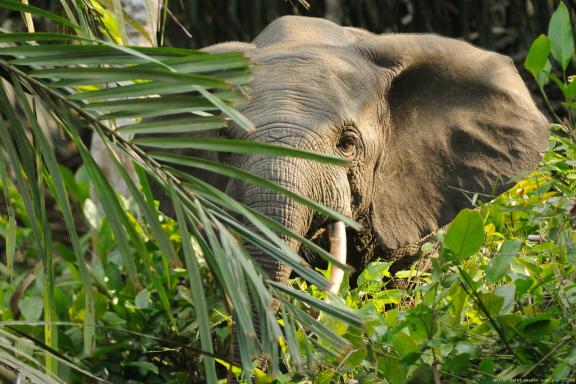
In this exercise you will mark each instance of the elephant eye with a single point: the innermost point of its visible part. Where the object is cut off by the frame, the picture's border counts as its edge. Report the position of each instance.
(348, 143)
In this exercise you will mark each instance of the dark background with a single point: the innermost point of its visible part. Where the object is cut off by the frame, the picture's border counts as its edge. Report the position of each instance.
(507, 26)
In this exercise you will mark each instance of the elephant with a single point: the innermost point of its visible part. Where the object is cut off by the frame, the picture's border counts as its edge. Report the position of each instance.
(423, 120)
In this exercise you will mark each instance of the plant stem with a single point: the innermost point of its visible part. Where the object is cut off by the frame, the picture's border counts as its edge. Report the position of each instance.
(468, 288)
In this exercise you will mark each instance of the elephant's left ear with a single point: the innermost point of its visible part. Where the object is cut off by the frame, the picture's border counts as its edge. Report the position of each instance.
(461, 122)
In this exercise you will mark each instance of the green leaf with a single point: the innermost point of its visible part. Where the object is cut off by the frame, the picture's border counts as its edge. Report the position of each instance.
(543, 76)
(236, 146)
(465, 235)
(261, 222)
(230, 171)
(374, 272)
(11, 243)
(31, 308)
(403, 343)
(538, 326)
(59, 191)
(196, 287)
(498, 265)
(111, 74)
(538, 55)
(142, 299)
(492, 302)
(560, 34)
(342, 313)
(508, 294)
(232, 113)
(38, 36)
(134, 90)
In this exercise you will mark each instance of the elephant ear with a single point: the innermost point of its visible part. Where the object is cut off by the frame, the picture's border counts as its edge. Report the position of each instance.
(461, 122)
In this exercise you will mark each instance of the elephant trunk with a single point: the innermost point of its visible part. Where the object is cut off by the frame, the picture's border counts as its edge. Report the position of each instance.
(295, 217)
(305, 178)
(298, 176)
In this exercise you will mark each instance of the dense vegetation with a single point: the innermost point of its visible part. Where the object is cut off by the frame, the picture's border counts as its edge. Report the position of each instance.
(138, 297)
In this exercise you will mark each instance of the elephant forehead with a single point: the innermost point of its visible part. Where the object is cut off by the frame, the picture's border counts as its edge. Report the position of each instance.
(327, 65)
(331, 83)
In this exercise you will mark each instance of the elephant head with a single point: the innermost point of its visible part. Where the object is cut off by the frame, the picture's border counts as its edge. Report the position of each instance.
(423, 120)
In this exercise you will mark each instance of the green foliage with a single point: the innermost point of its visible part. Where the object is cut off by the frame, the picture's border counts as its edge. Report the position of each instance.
(147, 299)
(114, 301)
(466, 234)
(499, 302)
(561, 38)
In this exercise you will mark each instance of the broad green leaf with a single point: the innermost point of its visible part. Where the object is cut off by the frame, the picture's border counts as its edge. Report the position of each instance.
(403, 343)
(465, 235)
(560, 35)
(499, 264)
(538, 55)
(492, 303)
(375, 271)
(539, 325)
(31, 308)
(508, 293)
(570, 90)
(142, 299)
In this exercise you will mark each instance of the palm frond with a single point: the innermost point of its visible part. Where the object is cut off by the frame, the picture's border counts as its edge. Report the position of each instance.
(182, 89)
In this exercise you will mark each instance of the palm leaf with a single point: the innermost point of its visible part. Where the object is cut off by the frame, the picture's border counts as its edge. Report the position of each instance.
(146, 82)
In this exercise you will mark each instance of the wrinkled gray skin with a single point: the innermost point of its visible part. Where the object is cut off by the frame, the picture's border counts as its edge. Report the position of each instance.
(422, 118)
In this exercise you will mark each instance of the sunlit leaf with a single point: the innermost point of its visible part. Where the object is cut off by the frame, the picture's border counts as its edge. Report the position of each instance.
(465, 235)
(560, 35)
(498, 266)
(538, 55)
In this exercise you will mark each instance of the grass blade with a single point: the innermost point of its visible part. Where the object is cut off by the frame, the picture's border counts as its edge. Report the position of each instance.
(236, 146)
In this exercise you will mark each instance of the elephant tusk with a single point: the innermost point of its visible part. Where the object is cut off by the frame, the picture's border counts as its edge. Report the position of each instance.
(337, 237)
